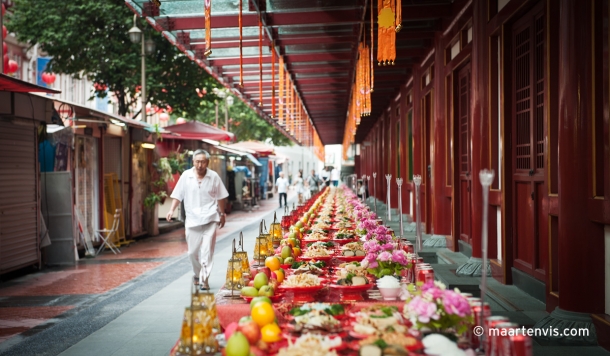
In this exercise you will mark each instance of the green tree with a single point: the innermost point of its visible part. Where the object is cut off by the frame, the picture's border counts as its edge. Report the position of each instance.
(243, 122)
(90, 38)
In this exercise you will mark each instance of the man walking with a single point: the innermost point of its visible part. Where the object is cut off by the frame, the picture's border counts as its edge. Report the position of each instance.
(204, 196)
(282, 188)
(313, 182)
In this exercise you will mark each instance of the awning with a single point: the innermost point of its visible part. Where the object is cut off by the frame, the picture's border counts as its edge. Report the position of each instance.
(234, 151)
(195, 130)
(78, 112)
(8, 83)
(256, 146)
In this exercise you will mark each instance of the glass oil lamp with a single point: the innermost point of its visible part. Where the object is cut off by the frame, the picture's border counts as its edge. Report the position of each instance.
(234, 273)
(261, 247)
(275, 231)
(242, 255)
(269, 238)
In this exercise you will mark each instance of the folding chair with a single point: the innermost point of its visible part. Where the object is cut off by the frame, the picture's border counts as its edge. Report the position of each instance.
(108, 234)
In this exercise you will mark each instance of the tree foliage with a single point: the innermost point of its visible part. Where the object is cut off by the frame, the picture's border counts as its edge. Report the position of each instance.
(90, 38)
(243, 122)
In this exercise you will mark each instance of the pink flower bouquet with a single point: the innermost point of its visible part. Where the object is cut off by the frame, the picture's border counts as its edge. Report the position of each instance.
(433, 308)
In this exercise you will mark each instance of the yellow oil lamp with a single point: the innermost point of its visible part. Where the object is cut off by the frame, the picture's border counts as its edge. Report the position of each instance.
(261, 247)
(275, 231)
(242, 255)
(234, 273)
(200, 326)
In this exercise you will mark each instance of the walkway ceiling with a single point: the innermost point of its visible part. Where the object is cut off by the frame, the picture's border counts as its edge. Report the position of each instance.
(319, 39)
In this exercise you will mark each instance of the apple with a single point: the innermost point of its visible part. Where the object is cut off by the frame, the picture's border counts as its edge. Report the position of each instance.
(238, 345)
(258, 299)
(286, 252)
(247, 318)
(251, 331)
(251, 283)
(260, 280)
(255, 351)
(249, 291)
(266, 291)
(230, 329)
(265, 270)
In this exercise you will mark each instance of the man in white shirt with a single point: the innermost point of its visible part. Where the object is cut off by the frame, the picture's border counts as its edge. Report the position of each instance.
(282, 188)
(204, 197)
(334, 176)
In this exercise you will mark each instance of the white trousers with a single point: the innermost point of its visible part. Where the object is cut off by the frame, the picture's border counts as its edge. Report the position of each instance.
(201, 241)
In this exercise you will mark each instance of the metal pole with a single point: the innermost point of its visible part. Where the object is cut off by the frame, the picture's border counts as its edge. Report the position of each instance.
(226, 115)
(486, 177)
(375, 190)
(144, 118)
(216, 116)
(388, 178)
(399, 182)
(417, 182)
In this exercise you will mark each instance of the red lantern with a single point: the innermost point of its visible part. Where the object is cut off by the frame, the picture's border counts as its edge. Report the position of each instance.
(12, 66)
(48, 78)
(169, 109)
(100, 87)
(3, 9)
(4, 48)
(163, 117)
(4, 32)
(181, 120)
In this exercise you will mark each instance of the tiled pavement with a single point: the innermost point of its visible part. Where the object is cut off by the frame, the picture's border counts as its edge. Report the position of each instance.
(38, 308)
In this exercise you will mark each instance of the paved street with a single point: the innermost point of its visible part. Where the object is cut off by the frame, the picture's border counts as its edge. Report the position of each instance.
(128, 304)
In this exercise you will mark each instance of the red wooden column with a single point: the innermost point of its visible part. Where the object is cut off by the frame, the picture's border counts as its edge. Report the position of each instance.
(442, 205)
(480, 129)
(581, 252)
(416, 123)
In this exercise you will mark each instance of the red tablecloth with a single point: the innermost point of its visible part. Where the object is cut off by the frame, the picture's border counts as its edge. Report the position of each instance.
(231, 310)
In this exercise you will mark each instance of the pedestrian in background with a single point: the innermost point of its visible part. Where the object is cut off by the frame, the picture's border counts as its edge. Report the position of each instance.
(282, 188)
(313, 182)
(300, 188)
(204, 197)
(335, 175)
(325, 176)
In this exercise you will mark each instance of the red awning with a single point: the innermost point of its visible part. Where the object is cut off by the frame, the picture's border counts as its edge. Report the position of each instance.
(256, 146)
(8, 83)
(195, 130)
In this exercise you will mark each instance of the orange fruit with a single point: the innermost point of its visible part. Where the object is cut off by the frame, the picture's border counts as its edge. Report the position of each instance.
(271, 333)
(280, 275)
(263, 314)
(296, 251)
(273, 263)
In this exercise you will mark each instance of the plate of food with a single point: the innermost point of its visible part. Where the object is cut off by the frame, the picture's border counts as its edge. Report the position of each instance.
(392, 343)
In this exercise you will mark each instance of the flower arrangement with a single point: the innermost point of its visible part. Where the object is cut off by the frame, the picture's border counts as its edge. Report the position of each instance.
(382, 256)
(435, 309)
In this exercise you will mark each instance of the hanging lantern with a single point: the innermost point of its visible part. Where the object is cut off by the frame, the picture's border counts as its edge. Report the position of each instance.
(180, 120)
(4, 32)
(389, 22)
(207, 11)
(48, 78)
(12, 66)
(164, 117)
(4, 48)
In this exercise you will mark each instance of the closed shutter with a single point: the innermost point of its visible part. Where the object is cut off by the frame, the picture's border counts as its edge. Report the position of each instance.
(18, 196)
